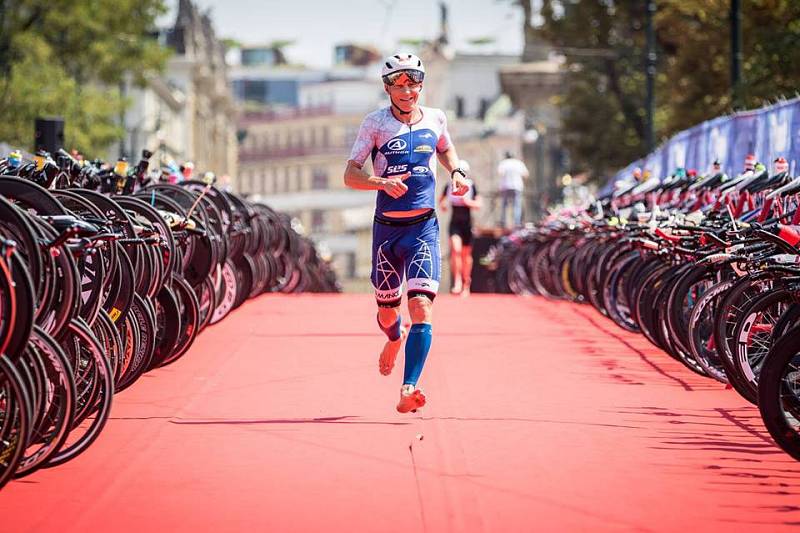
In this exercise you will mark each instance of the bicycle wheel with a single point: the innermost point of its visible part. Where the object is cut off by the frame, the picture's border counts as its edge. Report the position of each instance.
(701, 331)
(189, 309)
(779, 392)
(754, 336)
(14, 419)
(727, 317)
(52, 430)
(82, 349)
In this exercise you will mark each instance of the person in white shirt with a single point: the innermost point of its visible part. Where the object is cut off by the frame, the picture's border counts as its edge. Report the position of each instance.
(512, 173)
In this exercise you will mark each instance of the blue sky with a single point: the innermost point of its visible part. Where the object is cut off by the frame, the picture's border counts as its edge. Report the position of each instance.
(317, 25)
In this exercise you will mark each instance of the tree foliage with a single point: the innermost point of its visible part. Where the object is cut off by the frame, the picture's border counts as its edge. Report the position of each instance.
(604, 45)
(67, 58)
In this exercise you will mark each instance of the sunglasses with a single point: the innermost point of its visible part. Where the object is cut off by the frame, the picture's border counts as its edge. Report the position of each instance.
(414, 76)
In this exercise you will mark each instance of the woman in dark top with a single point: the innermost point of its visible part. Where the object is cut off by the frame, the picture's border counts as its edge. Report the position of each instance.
(460, 230)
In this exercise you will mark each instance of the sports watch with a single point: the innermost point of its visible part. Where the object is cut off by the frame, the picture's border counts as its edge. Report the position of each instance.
(460, 171)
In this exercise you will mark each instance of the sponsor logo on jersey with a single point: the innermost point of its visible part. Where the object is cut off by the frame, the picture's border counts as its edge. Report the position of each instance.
(426, 135)
(424, 149)
(396, 145)
(396, 169)
(419, 170)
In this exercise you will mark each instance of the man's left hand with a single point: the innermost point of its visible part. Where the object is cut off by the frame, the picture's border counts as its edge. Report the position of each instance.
(458, 184)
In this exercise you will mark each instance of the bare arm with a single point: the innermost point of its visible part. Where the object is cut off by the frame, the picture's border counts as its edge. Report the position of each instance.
(475, 203)
(449, 160)
(356, 178)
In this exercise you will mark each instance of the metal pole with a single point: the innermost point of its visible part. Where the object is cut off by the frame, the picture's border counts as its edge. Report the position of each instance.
(650, 71)
(123, 92)
(736, 52)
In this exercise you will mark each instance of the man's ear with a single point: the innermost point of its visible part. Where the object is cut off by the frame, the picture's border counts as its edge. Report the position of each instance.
(385, 88)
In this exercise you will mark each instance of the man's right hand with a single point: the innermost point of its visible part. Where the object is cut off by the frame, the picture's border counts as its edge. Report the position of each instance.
(394, 186)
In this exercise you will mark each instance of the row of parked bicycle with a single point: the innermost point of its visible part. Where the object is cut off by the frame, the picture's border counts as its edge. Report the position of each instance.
(105, 275)
(706, 268)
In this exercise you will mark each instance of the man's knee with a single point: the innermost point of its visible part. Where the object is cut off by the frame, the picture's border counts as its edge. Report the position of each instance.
(420, 307)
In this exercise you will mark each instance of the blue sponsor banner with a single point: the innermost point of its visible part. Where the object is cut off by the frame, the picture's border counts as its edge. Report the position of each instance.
(696, 148)
(743, 141)
(794, 133)
(767, 133)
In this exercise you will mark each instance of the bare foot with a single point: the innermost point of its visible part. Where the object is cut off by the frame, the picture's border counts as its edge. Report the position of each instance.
(465, 292)
(390, 351)
(456, 289)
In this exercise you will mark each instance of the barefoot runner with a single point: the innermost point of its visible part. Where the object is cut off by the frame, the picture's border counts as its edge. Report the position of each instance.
(401, 140)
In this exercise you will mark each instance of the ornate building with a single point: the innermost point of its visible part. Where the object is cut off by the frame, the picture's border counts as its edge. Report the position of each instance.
(533, 87)
(293, 159)
(296, 134)
(187, 113)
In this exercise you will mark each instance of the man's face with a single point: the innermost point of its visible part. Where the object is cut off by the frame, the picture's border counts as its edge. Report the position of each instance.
(404, 93)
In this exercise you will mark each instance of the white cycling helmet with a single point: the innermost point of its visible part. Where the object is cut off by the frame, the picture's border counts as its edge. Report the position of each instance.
(402, 63)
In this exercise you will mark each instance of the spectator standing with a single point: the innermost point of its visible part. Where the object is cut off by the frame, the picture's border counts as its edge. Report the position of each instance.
(512, 173)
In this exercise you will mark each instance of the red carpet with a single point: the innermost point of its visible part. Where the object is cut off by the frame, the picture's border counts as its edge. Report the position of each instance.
(541, 417)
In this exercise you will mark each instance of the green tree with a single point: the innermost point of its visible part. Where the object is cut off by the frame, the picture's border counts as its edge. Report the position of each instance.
(603, 42)
(67, 57)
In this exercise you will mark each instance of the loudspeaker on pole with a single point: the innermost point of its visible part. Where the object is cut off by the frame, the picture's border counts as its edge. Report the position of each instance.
(49, 135)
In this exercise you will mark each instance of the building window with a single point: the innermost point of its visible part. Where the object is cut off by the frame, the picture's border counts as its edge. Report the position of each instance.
(318, 221)
(484, 108)
(247, 186)
(269, 182)
(350, 134)
(255, 91)
(319, 178)
(325, 137)
(295, 139)
(459, 106)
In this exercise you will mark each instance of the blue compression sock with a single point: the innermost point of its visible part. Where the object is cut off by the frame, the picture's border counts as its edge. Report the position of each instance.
(393, 331)
(417, 346)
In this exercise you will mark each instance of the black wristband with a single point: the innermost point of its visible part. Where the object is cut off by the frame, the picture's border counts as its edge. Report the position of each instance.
(463, 174)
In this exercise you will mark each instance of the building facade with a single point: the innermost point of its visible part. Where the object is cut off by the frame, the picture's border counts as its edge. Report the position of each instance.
(188, 113)
(482, 120)
(296, 130)
(294, 160)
